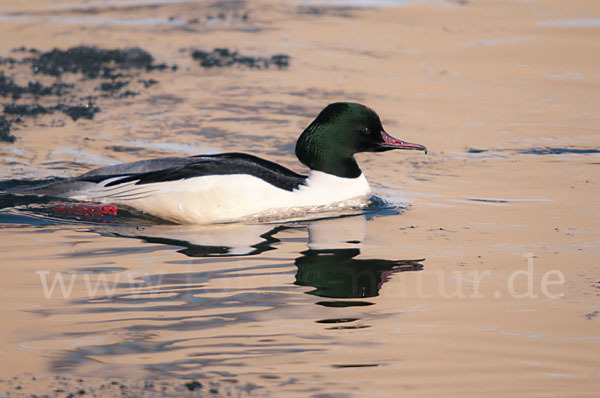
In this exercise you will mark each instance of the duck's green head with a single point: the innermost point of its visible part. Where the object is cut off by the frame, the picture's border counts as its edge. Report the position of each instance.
(342, 129)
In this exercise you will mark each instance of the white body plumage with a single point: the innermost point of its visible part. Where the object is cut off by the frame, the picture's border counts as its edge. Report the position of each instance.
(221, 198)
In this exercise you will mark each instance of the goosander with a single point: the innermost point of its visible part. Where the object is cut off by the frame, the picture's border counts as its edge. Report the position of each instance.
(231, 186)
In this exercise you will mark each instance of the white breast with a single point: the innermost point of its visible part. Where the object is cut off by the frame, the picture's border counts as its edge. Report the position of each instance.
(219, 198)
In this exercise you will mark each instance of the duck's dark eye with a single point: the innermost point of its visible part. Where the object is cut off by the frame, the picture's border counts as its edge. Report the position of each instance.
(366, 131)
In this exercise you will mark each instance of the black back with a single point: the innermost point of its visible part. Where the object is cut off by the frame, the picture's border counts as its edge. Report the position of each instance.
(204, 165)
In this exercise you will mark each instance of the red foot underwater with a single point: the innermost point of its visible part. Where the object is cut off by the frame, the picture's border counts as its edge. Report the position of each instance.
(87, 210)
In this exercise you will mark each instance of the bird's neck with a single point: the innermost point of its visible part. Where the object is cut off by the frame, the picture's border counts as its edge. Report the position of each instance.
(319, 153)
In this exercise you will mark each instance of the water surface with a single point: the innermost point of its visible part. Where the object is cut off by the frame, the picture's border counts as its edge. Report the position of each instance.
(481, 277)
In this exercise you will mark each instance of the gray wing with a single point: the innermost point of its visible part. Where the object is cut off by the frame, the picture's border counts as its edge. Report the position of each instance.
(141, 166)
(118, 180)
(69, 187)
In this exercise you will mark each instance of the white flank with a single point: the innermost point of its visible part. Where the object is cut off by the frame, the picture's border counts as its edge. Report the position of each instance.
(218, 198)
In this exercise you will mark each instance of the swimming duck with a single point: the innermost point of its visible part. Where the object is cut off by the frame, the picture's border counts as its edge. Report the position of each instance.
(230, 186)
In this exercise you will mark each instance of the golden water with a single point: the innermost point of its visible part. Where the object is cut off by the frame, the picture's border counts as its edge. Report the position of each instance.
(506, 302)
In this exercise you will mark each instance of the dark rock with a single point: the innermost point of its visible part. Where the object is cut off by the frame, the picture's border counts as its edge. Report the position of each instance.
(8, 61)
(193, 385)
(128, 93)
(8, 88)
(90, 61)
(76, 112)
(221, 57)
(148, 83)
(113, 86)
(26, 110)
(36, 88)
(281, 60)
(24, 50)
(5, 135)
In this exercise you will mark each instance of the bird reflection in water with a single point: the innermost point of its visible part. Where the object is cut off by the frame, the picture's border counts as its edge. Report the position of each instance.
(220, 293)
(331, 267)
(330, 264)
(336, 273)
